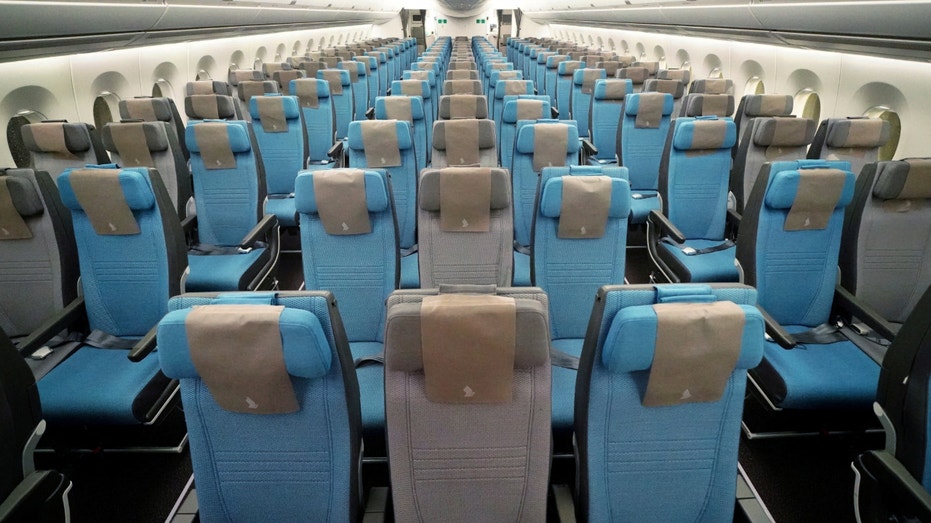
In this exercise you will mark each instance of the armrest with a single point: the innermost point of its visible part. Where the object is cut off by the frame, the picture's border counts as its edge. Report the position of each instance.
(588, 147)
(143, 347)
(28, 499)
(188, 224)
(888, 490)
(370, 113)
(665, 226)
(733, 218)
(847, 301)
(336, 151)
(776, 331)
(267, 223)
(71, 314)
(554, 112)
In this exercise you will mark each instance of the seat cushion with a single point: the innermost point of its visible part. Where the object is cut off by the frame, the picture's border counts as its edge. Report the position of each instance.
(640, 207)
(283, 209)
(225, 272)
(96, 385)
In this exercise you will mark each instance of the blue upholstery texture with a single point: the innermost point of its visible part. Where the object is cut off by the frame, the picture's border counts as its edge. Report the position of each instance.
(419, 125)
(282, 154)
(319, 123)
(281, 466)
(640, 150)
(564, 83)
(500, 90)
(670, 463)
(581, 101)
(507, 125)
(361, 271)
(426, 94)
(342, 104)
(360, 89)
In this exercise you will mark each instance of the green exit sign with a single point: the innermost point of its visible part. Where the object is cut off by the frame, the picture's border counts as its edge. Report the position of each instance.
(479, 20)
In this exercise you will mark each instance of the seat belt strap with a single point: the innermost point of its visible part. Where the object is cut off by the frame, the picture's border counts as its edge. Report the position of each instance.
(102, 340)
(691, 251)
(562, 359)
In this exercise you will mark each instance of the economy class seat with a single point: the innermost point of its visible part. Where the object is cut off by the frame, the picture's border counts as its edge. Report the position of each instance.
(518, 108)
(856, 140)
(463, 143)
(58, 145)
(279, 134)
(641, 138)
(156, 109)
(606, 114)
(583, 87)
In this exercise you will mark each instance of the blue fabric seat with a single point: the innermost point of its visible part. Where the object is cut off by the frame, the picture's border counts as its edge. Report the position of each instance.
(583, 87)
(319, 119)
(536, 107)
(358, 79)
(282, 151)
(551, 74)
(341, 98)
(251, 466)
(422, 89)
(676, 461)
(500, 76)
(607, 111)
(795, 272)
(571, 270)
(361, 270)
(385, 110)
(128, 273)
(640, 149)
(565, 74)
(237, 244)
(693, 180)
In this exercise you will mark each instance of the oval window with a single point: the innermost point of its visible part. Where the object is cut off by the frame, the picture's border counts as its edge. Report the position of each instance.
(807, 104)
(14, 136)
(754, 86)
(887, 151)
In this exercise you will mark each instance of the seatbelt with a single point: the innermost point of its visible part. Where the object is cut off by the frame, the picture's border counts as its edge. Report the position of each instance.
(641, 196)
(203, 249)
(371, 359)
(409, 251)
(562, 359)
(102, 340)
(691, 251)
(523, 249)
(820, 335)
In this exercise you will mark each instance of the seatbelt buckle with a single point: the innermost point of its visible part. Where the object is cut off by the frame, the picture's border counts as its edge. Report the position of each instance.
(636, 196)
(689, 251)
(860, 329)
(41, 353)
(246, 250)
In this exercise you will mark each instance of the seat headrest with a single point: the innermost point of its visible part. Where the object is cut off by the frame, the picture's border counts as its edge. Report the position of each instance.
(768, 105)
(525, 139)
(134, 182)
(403, 329)
(200, 106)
(713, 86)
(419, 88)
(857, 132)
(701, 104)
(783, 189)
(207, 87)
(637, 75)
(613, 89)
(553, 61)
(321, 87)
(682, 75)
(405, 138)
(590, 74)
(238, 136)
(289, 106)
(156, 138)
(551, 198)
(632, 105)
(569, 67)
(427, 75)
(631, 339)
(384, 103)
(341, 74)
(512, 87)
(908, 179)
(704, 133)
(146, 108)
(486, 133)
(429, 193)
(57, 137)
(307, 353)
(781, 131)
(376, 196)
(242, 75)
(26, 200)
(512, 109)
(674, 87)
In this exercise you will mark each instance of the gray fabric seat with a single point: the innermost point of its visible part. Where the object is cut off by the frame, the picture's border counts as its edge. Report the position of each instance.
(467, 461)
(453, 256)
(56, 146)
(856, 140)
(443, 153)
(452, 106)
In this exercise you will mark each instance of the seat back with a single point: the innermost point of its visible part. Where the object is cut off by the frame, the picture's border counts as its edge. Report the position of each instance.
(492, 84)
(371, 76)
(368, 150)
(462, 74)
(473, 87)
(229, 180)
(579, 240)
(360, 267)
(674, 87)
(235, 77)
(636, 75)
(538, 74)
(439, 449)
(564, 81)
(756, 105)
(358, 79)
(712, 86)
(279, 134)
(464, 143)
(453, 250)
(56, 146)
(130, 246)
(795, 270)
(37, 252)
(211, 106)
(642, 137)
(150, 109)
(625, 438)
(422, 89)
(856, 140)
(155, 145)
(508, 88)
(583, 87)
(246, 89)
(341, 98)
(538, 145)
(607, 109)
(319, 117)
(694, 175)
(516, 109)
(283, 79)
(552, 73)
(885, 242)
(769, 139)
(293, 423)
(409, 109)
